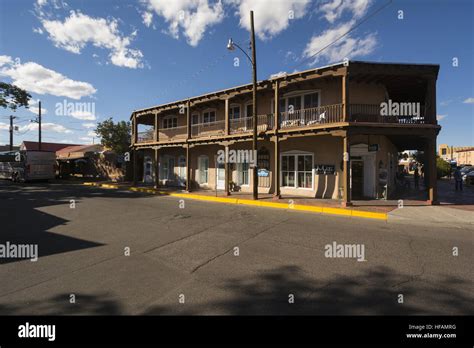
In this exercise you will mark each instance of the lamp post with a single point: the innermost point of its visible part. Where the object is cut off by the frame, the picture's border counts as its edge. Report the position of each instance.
(231, 46)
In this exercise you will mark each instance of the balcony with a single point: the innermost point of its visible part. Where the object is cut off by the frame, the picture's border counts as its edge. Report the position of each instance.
(303, 118)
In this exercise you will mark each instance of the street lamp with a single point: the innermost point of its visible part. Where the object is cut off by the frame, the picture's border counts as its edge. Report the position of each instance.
(231, 46)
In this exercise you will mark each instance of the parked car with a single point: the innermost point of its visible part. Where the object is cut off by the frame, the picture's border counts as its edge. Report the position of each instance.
(21, 166)
(469, 178)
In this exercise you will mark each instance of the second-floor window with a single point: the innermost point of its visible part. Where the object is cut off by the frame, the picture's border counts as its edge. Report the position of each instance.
(170, 122)
(195, 119)
(234, 112)
(209, 116)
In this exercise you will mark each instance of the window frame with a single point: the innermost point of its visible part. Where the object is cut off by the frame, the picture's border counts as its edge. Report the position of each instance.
(294, 155)
(208, 111)
(166, 121)
(200, 158)
(295, 94)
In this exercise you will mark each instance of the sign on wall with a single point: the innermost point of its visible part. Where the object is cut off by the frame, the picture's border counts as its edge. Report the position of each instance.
(325, 169)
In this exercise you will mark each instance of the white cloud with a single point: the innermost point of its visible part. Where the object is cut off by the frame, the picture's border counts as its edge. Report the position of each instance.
(92, 134)
(33, 106)
(4, 60)
(469, 101)
(334, 9)
(89, 125)
(86, 139)
(192, 17)
(440, 117)
(83, 115)
(270, 16)
(348, 46)
(36, 78)
(78, 30)
(147, 18)
(4, 126)
(52, 127)
(38, 31)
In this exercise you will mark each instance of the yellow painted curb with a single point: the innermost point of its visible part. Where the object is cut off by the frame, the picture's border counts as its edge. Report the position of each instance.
(299, 207)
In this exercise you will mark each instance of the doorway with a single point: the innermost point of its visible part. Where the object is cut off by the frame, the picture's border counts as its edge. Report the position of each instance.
(220, 176)
(357, 179)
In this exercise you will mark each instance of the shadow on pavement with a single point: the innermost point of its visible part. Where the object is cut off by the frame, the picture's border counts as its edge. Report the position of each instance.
(23, 223)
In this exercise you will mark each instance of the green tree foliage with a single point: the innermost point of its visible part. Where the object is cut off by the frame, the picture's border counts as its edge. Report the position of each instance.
(13, 97)
(443, 168)
(115, 136)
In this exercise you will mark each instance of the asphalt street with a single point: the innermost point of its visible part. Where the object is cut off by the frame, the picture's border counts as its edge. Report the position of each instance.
(120, 252)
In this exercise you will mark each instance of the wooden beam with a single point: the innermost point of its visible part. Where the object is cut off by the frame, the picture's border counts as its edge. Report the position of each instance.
(346, 179)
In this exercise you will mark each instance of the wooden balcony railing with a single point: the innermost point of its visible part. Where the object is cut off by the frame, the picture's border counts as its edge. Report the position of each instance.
(215, 128)
(312, 116)
(176, 133)
(321, 115)
(145, 137)
(372, 113)
(245, 124)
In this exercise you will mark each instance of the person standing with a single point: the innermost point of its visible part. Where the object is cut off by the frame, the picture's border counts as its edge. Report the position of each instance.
(458, 179)
(416, 176)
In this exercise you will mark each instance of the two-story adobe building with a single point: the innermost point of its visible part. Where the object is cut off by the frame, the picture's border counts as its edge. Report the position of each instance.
(330, 132)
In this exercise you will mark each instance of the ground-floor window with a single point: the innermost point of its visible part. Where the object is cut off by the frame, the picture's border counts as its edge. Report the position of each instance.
(242, 173)
(182, 169)
(203, 167)
(167, 168)
(297, 171)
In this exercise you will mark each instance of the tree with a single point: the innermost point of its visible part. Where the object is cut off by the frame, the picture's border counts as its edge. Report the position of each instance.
(443, 168)
(13, 97)
(115, 136)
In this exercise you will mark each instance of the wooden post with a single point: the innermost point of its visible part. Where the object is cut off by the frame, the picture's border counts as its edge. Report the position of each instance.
(157, 167)
(188, 168)
(135, 161)
(430, 108)
(227, 125)
(345, 97)
(226, 171)
(254, 101)
(157, 128)
(430, 156)
(188, 119)
(276, 174)
(346, 175)
(135, 129)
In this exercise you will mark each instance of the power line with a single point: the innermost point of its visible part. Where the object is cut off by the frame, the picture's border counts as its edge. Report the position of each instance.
(363, 20)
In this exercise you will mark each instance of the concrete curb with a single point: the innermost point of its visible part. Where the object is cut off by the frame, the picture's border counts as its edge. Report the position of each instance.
(300, 207)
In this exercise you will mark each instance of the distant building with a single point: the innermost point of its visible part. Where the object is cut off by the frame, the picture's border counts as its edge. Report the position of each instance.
(7, 148)
(34, 146)
(460, 154)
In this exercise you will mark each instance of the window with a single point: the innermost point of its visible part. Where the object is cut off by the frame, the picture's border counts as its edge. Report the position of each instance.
(203, 166)
(443, 152)
(297, 171)
(209, 116)
(242, 173)
(311, 100)
(294, 103)
(195, 119)
(170, 122)
(234, 112)
(249, 110)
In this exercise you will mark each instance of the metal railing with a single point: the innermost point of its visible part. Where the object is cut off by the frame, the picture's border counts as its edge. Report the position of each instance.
(312, 116)
(372, 113)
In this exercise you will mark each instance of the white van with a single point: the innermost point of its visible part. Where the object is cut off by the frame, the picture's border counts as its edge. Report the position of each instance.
(21, 166)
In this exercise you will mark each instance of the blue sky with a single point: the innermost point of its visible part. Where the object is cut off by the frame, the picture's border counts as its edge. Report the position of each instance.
(123, 55)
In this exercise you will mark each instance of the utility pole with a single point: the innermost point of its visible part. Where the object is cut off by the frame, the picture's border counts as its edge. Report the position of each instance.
(254, 101)
(11, 131)
(39, 127)
(231, 46)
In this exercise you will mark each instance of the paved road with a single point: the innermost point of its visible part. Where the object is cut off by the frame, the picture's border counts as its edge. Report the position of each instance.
(190, 251)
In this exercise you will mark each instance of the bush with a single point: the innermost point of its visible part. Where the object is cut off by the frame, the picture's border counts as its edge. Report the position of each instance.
(443, 168)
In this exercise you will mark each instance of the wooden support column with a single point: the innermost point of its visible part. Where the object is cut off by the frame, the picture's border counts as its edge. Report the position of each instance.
(135, 168)
(430, 156)
(346, 175)
(135, 129)
(227, 122)
(430, 103)
(345, 98)
(188, 168)
(157, 167)
(226, 171)
(157, 128)
(188, 119)
(276, 124)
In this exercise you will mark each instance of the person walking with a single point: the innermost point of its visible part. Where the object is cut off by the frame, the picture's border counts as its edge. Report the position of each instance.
(458, 179)
(416, 176)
